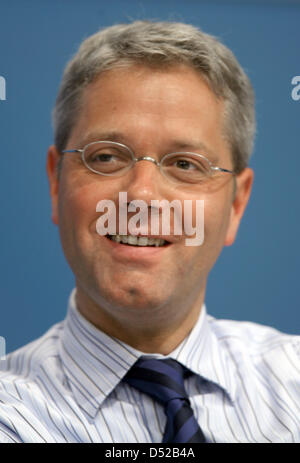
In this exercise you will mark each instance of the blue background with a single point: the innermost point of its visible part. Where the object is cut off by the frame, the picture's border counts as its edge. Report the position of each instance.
(257, 279)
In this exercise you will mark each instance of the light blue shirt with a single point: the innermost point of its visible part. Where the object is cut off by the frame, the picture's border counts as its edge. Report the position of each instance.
(66, 386)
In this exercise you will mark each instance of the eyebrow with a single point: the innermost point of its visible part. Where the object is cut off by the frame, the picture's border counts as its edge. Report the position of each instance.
(175, 145)
(97, 136)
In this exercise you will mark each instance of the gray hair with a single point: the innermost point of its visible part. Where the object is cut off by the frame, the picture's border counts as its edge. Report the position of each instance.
(161, 44)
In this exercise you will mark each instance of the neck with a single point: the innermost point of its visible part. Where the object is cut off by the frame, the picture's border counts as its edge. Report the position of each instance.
(159, 330)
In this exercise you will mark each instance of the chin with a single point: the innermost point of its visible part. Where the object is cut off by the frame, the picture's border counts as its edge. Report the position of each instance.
(133, 298)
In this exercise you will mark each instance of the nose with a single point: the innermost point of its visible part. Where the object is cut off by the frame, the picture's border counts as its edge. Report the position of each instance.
(144, 180)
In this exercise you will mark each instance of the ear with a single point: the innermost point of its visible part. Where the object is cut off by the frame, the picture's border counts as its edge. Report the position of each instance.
(53, 158)
(244, 182)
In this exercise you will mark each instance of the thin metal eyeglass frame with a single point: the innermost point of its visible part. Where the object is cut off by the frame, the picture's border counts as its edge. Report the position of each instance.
(141, 158)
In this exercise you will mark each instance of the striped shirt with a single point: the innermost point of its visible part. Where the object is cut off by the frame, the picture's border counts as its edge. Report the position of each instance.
(66, 386)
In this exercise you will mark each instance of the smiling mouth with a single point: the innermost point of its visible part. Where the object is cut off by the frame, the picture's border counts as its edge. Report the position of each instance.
(132, 240)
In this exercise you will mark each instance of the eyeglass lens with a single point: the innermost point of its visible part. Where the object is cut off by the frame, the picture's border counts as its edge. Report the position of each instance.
(110, 159)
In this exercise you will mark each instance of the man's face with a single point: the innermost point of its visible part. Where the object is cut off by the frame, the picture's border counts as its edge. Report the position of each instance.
(155, 113)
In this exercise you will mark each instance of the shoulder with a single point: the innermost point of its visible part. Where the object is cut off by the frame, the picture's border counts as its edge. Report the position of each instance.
(261, 346)
(26, 361)
(252, 334)
(20, 386)
(252, 337)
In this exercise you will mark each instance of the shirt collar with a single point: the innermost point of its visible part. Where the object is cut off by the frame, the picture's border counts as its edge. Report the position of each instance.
(95, 363)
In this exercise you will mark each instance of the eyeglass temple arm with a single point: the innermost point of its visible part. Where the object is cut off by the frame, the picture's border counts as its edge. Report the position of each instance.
(220, 169)
(71, 151)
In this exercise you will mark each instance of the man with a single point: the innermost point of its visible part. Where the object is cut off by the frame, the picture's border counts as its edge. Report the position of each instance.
(159, 111)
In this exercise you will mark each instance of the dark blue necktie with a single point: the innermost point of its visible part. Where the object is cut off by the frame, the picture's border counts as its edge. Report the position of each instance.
(163, 380)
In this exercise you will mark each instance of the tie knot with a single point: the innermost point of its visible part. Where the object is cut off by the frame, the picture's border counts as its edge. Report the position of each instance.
(163, 379)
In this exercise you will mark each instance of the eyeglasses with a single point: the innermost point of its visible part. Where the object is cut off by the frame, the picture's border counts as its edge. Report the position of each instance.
(115, 159)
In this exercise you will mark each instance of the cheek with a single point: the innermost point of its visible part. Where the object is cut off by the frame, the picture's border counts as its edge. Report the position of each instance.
(210, 211)
(217, 216)
(77, 213)
(208, 219)
(79, 198)
(213, 224)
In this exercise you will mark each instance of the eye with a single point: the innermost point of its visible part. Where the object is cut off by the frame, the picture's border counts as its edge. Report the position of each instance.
(102, 157)
(188, 164)
(185, 164)
(186, 167)
(106, 159)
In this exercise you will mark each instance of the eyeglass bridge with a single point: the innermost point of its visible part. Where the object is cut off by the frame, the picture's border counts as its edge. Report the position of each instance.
(147, 158)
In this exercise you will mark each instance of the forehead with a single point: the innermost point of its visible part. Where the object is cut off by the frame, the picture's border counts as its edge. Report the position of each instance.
(170, 87)
(145, 103)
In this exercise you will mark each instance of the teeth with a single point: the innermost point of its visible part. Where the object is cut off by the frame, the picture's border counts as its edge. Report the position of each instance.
(132, 240)
(138, 240)
(142, 241)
